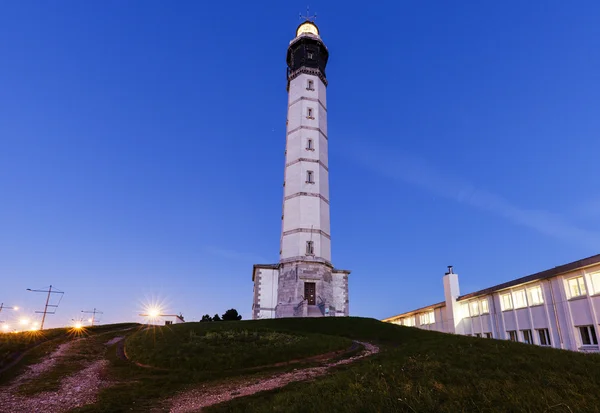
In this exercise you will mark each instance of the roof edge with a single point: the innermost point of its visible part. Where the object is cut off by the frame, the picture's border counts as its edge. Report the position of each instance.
(542, 275)
(263, 267)
(418, 310)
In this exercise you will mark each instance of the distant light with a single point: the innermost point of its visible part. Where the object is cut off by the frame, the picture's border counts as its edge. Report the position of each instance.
(24, 321)
(78, 325)
(5, 327)
(89, 320)
(16, 308)
(153, 312)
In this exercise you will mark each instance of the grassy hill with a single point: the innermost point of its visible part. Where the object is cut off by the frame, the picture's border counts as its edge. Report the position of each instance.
(422, 371)
(225, 346)
(415, 371)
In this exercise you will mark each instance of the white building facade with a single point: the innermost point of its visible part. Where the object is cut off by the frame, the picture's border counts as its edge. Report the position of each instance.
(304, 283)
(559, 308)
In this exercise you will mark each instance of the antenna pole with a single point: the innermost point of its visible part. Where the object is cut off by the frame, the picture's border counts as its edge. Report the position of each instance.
(46, 307)
(94, 312)
(45, 312)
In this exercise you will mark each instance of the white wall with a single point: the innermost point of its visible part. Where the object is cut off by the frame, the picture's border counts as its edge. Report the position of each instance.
(266, 280)
(306, 212)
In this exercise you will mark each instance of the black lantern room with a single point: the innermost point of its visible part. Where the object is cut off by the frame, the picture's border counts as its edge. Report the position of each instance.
(307, 53)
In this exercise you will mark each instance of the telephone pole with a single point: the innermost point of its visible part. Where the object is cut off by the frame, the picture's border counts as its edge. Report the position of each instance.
(94, 312)
(49, 291)
(2, 307)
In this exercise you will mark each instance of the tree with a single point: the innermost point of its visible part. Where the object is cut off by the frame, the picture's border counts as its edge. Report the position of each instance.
(206, 318)
(216, 318)
(231, 315)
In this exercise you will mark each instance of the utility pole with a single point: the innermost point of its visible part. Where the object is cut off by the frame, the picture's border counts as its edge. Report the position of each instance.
(5, 326)
(93, 314)
(2, 306)
(49, 291)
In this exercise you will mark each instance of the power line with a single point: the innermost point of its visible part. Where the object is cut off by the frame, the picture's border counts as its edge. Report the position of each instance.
(49, 291)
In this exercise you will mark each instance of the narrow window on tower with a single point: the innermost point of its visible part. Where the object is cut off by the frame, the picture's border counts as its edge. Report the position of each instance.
(309, 113)
(310, 55)
(310, 85)
(309, 177)
(310, 250)
(309, 145)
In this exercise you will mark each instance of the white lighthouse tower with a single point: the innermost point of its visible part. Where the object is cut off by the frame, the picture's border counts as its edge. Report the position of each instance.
(304, 283)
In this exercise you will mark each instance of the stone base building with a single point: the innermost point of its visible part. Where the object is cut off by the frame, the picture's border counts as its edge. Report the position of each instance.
(299, 289)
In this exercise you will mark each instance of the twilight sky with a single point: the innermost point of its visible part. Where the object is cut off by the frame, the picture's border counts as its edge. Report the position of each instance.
(141, 148)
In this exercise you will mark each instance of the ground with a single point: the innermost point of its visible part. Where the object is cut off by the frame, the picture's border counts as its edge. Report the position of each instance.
(345, 364)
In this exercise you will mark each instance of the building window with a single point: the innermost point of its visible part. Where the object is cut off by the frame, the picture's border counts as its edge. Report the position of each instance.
(588, 336)
(544, 337)
(310, 55)
(464, 310)
(527, 336)
(432, 317)
(520, 299)
(484, 306)
(310, 85)
(535, 295)
(474, 308)
(595, 282)
(478, 335)
(309, 145)
(309, 113)
(409, 321)
(310, 250)
(310, 177)
(506, 302)
(427, 318)
(577, 287)
(488, 335)
(512, 335)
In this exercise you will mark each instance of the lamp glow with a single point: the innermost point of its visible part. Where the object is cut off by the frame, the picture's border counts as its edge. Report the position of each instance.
(24, 321)
(153, 312)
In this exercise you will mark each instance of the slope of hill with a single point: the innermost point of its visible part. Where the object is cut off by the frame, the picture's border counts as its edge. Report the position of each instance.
(388, 368)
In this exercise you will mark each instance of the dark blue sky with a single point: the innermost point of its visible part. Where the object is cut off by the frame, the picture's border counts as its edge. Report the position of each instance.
(141, 148)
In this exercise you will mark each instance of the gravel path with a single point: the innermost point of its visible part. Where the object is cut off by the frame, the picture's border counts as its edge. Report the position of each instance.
(75, 390)
(195, 400)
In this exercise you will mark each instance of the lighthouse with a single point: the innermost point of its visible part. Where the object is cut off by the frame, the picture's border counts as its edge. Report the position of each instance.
(304, 283)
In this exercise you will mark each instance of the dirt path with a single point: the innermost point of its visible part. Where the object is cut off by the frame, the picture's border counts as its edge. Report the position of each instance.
(195, 400)
(75, 390)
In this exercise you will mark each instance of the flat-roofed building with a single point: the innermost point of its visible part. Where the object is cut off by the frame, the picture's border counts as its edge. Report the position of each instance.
(559, 307)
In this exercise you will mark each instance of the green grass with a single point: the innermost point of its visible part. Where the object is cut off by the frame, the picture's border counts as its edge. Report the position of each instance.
(421, 371)
(225, 346)
(11, 343)
(416, 370)
(214, 352)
